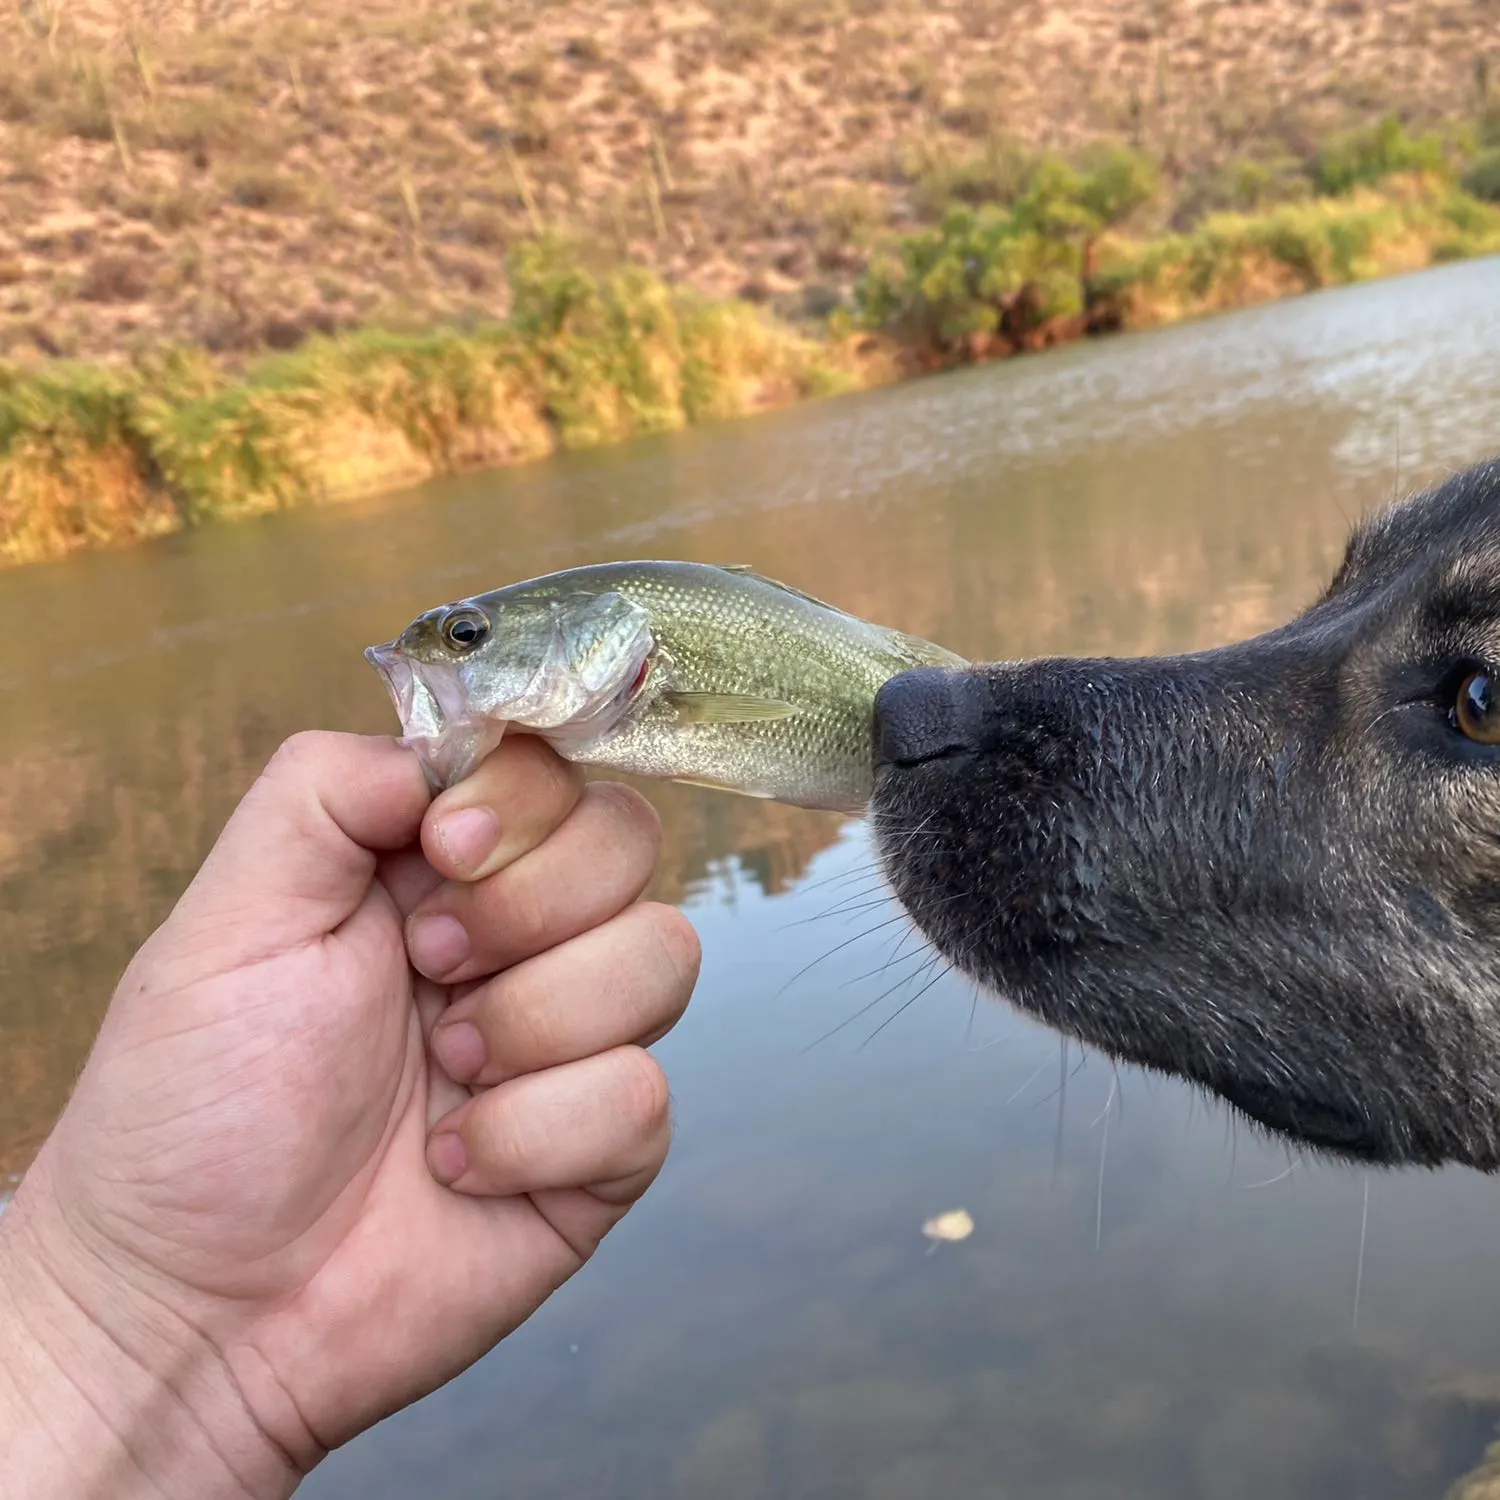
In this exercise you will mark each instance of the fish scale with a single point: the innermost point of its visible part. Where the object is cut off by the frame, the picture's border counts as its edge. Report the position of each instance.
(750, 685)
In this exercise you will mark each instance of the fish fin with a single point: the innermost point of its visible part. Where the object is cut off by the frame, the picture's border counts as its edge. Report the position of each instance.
(722, 786)
(726, 708)
(924, 653)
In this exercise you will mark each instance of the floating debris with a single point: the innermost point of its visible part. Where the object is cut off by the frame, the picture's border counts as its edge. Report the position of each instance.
(952, 1226)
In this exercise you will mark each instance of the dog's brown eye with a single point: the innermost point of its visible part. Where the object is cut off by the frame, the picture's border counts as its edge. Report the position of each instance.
(1477, 713)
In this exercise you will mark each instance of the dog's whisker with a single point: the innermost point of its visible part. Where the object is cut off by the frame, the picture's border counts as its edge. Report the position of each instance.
(1031, 1078)
(807, 968)
(1109, 1101)
(1103, 1149)
(1255, 1187)
(1065, 1077)
(969, 1024)
(889, 964)
(942, 974)
(865, 1009)
(1062, 1106)
(852, 873)
(834, 913)
(1359, 1266)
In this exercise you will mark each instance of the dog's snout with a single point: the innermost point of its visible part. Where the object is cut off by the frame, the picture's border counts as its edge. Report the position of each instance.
(923, 715)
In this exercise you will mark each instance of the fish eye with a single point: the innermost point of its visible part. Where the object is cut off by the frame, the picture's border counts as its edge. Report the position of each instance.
(464, 629)
(1476, 710)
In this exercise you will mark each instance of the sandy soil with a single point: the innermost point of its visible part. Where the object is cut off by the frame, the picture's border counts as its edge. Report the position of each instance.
(238, 173)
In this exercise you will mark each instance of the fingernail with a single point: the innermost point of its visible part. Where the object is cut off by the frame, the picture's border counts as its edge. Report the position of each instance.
(460, 1050)
(468, 836)
(436, 945)
(446, 1158)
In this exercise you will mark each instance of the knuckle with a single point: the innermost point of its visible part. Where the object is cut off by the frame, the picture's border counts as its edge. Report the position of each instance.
(523, 914)
(679, 946)
(630, 811)
(645, 1097)
(526, 775)
(295, 777)
(527, 1029)
(496, 1136)
(298, 752)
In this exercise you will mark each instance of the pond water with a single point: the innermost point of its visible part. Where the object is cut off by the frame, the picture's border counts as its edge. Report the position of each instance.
(1153, 1301)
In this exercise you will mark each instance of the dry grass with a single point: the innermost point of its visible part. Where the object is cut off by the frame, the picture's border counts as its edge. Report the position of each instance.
(349, 217)
(92, 454)
(238, 174)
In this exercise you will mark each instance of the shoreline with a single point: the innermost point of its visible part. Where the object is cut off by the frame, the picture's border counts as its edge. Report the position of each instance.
(96, 456)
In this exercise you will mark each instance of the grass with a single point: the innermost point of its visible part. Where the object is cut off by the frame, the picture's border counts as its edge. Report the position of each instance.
(1232, 259)
(768, 145)
(1072, 248)
(260, 254)
(92, 456)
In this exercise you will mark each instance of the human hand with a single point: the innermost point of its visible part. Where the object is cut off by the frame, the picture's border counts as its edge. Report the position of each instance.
(241, 1216)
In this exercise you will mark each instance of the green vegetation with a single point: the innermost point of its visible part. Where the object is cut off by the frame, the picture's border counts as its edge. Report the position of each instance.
(91, 456)
(1080, 247)
(1006, 270)
(1232, 259)
(1357, 158)
(1482, 180)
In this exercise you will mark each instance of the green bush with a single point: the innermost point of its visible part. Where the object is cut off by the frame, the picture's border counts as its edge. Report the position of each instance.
(1230, 258)
(997, 173)
(608, 346)
(92, 455)
(1356, 157)
(1482, 180)
(1005, 269)
(1245, 185)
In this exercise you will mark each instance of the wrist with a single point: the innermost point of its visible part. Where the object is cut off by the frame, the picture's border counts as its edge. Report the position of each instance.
(106, 1392)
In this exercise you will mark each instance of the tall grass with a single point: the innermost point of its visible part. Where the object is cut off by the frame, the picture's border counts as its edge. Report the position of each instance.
(1233, 259)
(1077, 247)
(92, 456)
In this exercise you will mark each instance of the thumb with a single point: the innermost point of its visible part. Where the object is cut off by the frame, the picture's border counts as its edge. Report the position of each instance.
(297, 856)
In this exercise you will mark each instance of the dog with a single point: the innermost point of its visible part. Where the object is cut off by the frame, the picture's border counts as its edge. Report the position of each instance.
(1272, 869)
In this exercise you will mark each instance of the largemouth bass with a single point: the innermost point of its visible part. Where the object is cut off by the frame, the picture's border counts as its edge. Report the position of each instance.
(709, 675)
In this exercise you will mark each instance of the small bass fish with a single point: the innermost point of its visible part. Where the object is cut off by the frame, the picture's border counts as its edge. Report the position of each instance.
(709, 675)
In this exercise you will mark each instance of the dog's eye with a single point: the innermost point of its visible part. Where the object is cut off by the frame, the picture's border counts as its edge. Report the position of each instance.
(1476, 713)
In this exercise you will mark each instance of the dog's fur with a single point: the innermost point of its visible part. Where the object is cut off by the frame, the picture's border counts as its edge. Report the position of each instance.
(1273, 869)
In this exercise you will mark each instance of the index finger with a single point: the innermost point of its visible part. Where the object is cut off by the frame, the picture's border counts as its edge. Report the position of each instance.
(520, 794)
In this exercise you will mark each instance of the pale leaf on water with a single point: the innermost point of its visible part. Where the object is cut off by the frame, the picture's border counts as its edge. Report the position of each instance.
(953, 1226)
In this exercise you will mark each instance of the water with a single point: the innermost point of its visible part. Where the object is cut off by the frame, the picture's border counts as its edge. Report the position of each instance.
(1149, 1305)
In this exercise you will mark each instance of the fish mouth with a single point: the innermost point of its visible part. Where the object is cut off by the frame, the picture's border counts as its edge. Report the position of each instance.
(427, 701)
(397, 675)
(448, 740)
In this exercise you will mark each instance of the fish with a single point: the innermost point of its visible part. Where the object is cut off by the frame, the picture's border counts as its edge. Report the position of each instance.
(712, 675)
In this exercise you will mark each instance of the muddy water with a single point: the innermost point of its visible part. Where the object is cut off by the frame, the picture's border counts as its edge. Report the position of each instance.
(1150, 1304)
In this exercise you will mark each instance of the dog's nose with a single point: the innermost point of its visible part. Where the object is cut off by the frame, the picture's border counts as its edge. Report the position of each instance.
(923, 715)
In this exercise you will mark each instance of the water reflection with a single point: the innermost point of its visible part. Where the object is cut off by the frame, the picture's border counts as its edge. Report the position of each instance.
(1134, 1314)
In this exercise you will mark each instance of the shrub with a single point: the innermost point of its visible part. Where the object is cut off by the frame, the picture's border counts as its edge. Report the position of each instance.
(995, 269)
(607, 346)
(1356, 157)
(1482, 180)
